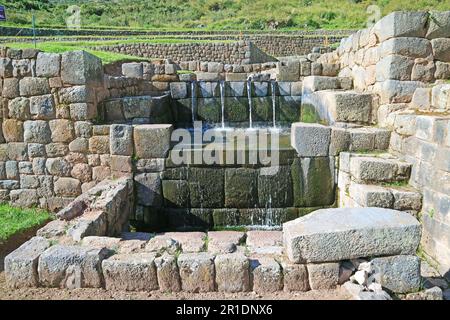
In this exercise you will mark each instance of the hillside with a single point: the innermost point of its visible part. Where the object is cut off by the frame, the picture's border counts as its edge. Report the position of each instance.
(211, 14)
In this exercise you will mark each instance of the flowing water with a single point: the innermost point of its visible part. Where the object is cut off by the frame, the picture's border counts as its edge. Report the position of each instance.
(250, 103)
(222, 101)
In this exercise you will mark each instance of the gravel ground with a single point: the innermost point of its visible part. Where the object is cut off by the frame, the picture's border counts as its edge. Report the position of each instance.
(100, 294)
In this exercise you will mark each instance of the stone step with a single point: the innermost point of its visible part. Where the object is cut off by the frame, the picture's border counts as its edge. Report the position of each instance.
(341, 234)
(333, 106)
(374, 168)
(320, 83)
(390, 197)
(312, 139)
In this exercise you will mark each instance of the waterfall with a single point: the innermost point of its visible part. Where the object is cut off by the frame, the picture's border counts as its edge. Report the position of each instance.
(222, 101)
(250, 105)
(274, 104)
(193, 100)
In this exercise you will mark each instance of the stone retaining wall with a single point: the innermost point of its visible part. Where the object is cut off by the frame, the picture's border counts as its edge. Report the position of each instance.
(242, 52)
(51, 149)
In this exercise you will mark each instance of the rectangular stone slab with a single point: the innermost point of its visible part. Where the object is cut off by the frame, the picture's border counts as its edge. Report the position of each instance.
(341, 234)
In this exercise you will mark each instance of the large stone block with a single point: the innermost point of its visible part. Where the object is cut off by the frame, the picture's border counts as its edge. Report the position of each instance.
(152, 141)
(406, 46)
(130, 272)
(206, 186)
(176, 193)
(37, 132)
(394, 67)
(400, 274)
(81, 68)
(266, 274)
(168, 274)
(402, 24)
(48, 65)
(323, 276)
(232, 273)
(121, 140)
(295, 277)
(43, 107)
(275, 187)
(395, 91)
(67, 187)
(71, 267)
(241, 188)
(133, 70)
(441, 49)
(313, 181)
(197, 272)
(148, 189)
(12, 130)
(19, 108)
(21, 265)
(439, 25)
(62, 130)
(341, 234)
(34, 86)
(371, 196)
(310, 140)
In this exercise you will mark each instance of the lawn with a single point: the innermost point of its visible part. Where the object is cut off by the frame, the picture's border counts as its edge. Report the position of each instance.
(107, 57)
(16, 220)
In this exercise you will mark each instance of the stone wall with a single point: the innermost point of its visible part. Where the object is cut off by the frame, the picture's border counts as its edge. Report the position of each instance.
(51, 149)
(234, 53)
(405, 59)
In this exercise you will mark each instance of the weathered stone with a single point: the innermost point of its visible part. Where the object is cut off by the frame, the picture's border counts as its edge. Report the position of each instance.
(310, 140)
(37, 132)
(80, 67)
(313, 181)
(148, 188)
(24, 198)
(58, 167)
(19, 108)
(48, 65)
(152, 141)
(71, 267)
(82, 172)
(42, 107)
(266, 274)
(206, 187)
(17, 151)
(62, 130)
(395, 91)
(101, 242)
(121, 140)
(232, 273)
(179, 90)
(162, 243)
(76, 94)
(55, 228)
(365, 232)
(197, 272)
(12, 130)
(406, 46)
(21, 265)
(133, 70)
(402, 24)
(371, 196)
(241, 187)
(33, 87)
(441, 48)
(400, 274)
(176, 193)
(274, 187)
(224, 241)
(82, 111)
(99, 144)
(91, 223)
(323, 276)
(131, 272)
(67, 187)
(168, 274)
(190, 241)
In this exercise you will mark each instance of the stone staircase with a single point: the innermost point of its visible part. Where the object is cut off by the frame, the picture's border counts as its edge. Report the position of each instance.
(376, 180)
(368, 175)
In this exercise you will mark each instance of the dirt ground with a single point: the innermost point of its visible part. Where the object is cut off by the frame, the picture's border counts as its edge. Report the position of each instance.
(100, 294)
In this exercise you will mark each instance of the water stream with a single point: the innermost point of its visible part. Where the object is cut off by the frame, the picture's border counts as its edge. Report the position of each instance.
(250, 103)
(222, 101)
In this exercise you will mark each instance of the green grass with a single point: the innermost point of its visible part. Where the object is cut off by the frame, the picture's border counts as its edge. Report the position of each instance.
(60, 47)
(15, 220)
(209, 14)
(107, 57)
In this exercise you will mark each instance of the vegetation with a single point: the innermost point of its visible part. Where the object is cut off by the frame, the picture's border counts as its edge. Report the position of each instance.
(15, 220)
(210, 14)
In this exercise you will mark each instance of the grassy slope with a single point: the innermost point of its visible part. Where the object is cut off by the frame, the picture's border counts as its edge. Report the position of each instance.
(14, 220)
(212, 14)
